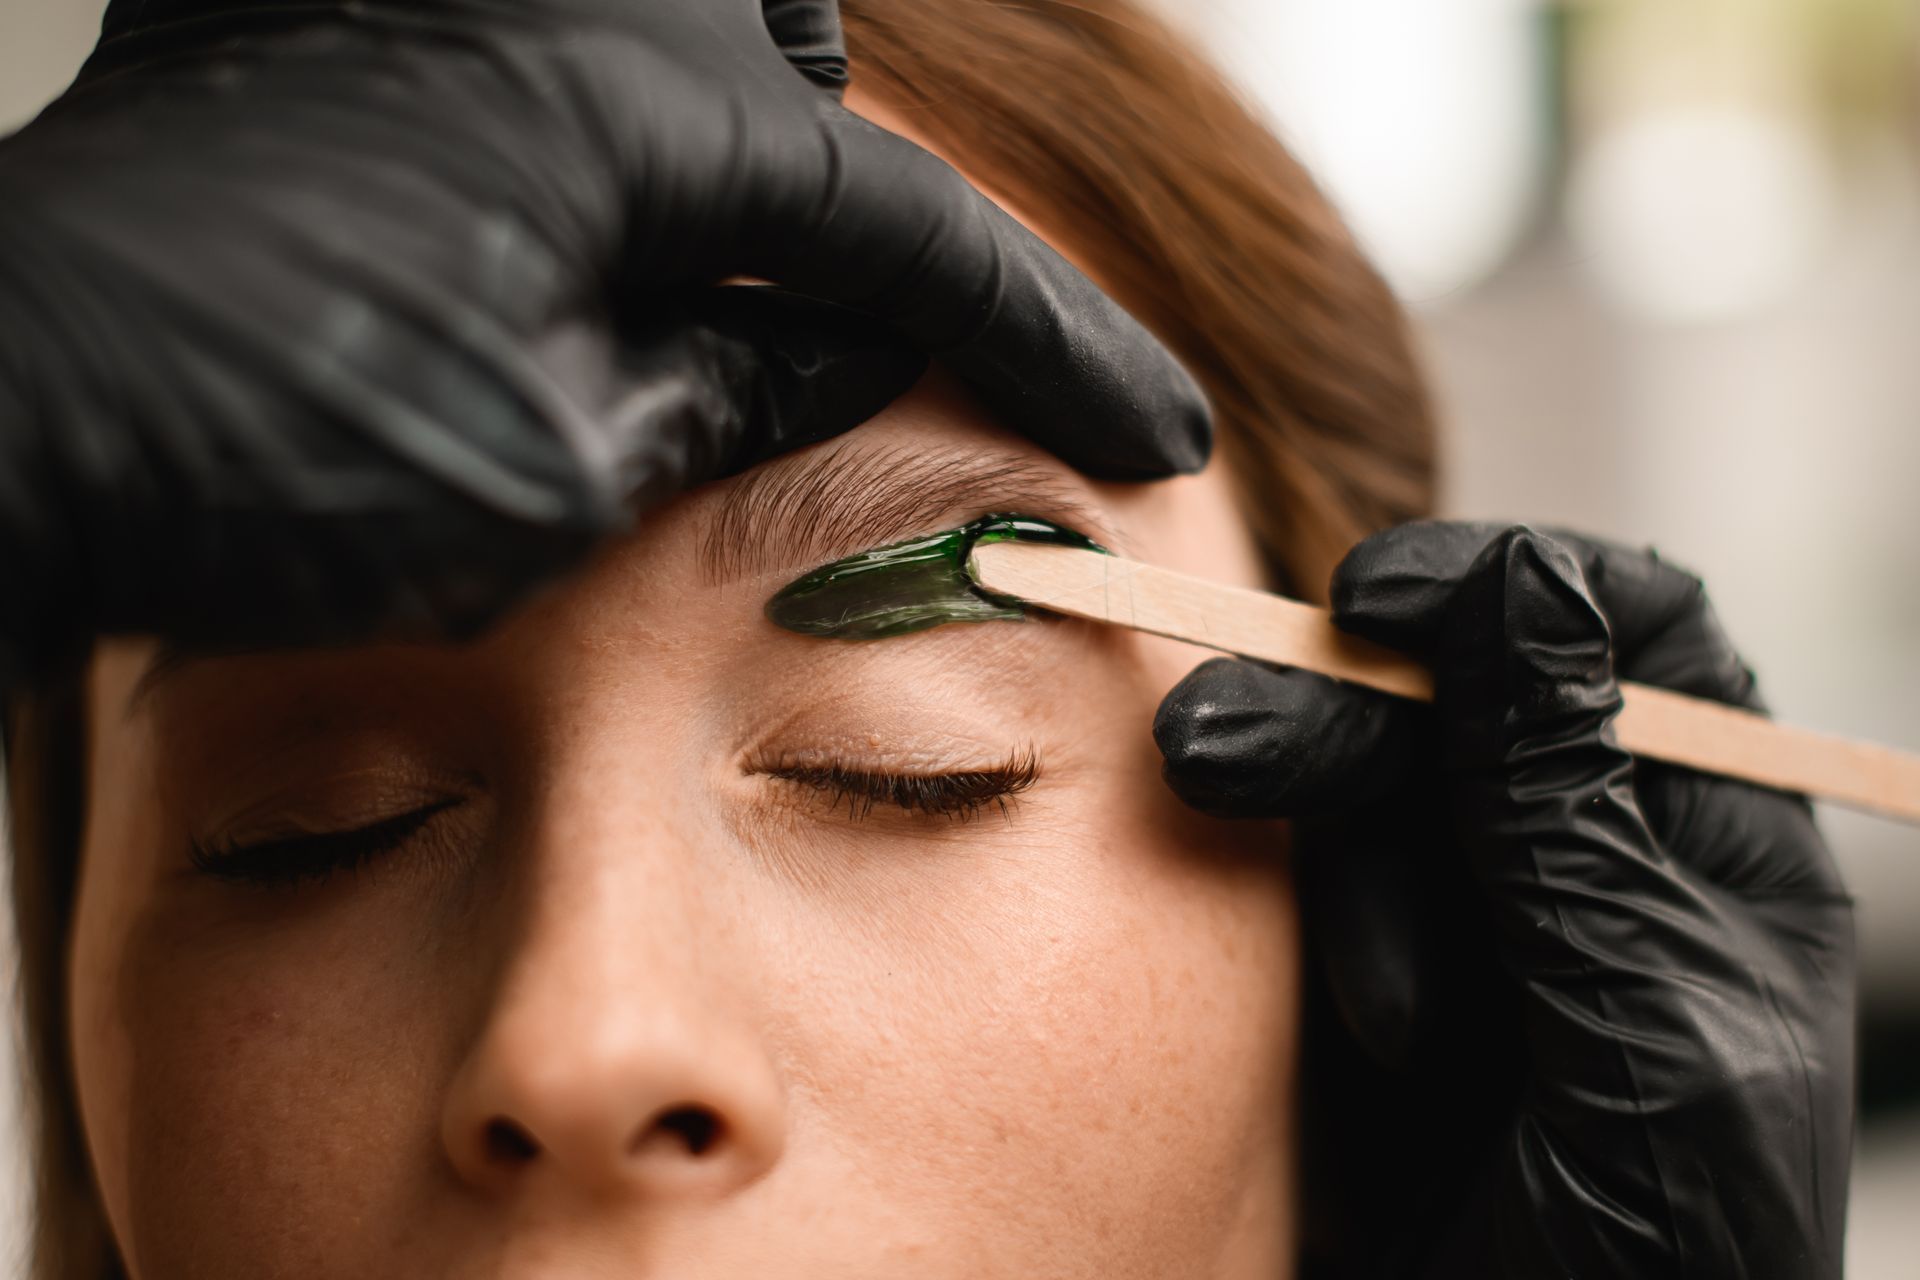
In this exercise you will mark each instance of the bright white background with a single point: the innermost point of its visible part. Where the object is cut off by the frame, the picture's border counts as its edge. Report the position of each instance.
(1664, 257)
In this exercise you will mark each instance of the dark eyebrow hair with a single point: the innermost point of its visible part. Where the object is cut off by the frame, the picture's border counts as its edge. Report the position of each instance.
(166, 660)
(170, 656)
(805, 510)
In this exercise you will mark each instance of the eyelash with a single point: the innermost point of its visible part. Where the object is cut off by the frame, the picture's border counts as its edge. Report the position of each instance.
(960, 796)
(314, 858)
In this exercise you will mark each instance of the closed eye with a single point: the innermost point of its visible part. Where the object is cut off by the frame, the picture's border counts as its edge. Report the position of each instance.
(305, 858)
(958, 795)
(311, 857)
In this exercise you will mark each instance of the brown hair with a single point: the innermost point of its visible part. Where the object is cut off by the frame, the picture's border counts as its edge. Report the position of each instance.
(1095, 118)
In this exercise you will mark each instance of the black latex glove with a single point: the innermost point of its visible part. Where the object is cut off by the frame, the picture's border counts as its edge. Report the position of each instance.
(1574, 1014)
(305, 304)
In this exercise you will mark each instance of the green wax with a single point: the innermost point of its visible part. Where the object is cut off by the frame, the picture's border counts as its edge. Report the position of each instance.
(910, 586)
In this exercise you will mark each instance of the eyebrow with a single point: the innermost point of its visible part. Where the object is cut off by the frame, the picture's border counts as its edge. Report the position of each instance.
(805, 510)
(171, 656)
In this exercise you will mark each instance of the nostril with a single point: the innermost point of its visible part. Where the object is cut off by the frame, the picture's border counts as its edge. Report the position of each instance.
(696, 1127)
(508, 1143)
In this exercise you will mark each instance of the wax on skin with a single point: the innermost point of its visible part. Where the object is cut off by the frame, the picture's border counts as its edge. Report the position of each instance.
(912, 585)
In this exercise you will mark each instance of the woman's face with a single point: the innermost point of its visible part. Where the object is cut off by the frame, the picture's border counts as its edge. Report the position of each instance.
(638, 966)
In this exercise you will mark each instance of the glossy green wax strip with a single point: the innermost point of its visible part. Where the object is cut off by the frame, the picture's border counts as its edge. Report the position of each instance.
(911, 585)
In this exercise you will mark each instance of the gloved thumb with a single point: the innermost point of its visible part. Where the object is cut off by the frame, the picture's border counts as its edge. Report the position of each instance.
(1241, 740)
(1371, 862)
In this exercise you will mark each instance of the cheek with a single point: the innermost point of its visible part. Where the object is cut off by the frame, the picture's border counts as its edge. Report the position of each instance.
(273, 1091)
(236, 1085)
(1090, 1027)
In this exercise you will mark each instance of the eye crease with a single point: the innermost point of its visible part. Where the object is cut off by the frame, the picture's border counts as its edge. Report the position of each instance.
(958, 795)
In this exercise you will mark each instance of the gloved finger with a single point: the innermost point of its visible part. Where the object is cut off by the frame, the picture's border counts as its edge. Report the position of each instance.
(808, 33)
(1680, 1039)
(1381, 902)
(1243, 740)
(738, 173)
(1666, 633)
(903, 236)
(326, 537)
(1393, 587)
(1523, 689)
(1640, 982)
(1398, 587)
(713, 385)
(741, 375)
(1665, 630)
(1757, 842)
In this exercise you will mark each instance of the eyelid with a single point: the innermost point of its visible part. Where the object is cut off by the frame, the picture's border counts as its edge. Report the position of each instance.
(1021, 763)
(959, 794)
(870, 726)
(872, 754)
(343, 801)
(316, 856)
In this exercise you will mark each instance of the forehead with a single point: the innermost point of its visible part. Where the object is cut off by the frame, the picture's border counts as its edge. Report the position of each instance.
(753, 532)
(695, 572)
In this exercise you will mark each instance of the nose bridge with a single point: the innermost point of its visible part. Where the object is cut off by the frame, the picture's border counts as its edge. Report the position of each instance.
(602, 957)
(616, 881)
(620, 876)
(619, 1047)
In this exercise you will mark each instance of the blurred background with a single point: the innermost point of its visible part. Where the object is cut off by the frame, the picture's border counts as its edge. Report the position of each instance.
(1665, 257)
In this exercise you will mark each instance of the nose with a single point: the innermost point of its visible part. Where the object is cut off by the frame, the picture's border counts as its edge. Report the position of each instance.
(654, 1107)
(611, 1064)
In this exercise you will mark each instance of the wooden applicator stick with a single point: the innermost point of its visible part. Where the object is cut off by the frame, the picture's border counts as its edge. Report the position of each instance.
(1656, 723)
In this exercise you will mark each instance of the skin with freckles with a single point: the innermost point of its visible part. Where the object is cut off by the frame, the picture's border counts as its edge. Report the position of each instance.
(621, 981)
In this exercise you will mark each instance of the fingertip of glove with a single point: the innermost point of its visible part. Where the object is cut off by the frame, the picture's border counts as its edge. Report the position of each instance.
(1208, 731)
(809, 35)
(1196, 702)
(1540, 581)
(1393, 587)
(1526, 545)
(1242, 740)
(1154, 419)
(1186, 441)
(1398, 586)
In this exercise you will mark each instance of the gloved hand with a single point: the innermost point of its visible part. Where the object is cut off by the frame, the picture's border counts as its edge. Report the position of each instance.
(321, 314)
(1575, 1015)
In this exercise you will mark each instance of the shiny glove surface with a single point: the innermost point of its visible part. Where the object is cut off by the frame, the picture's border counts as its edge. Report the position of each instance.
(1572, 1014)
(321, 314)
